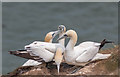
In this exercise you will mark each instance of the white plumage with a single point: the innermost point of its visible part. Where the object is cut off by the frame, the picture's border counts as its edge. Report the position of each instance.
(45, 50)
(84, 52)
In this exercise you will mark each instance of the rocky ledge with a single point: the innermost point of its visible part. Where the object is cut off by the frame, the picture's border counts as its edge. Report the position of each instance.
(100, 67)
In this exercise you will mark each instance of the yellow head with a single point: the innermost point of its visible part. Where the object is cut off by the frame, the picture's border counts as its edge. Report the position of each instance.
(71, 34)
(49, 37)
(62, 28)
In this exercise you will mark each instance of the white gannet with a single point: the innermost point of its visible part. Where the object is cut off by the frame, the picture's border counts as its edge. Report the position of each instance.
(34, 58)
(83, 53)
(48, 38)
(47, 51)
(59, 51)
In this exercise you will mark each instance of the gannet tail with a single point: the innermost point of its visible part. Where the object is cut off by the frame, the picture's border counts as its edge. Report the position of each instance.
(31, 63)
(101, 56)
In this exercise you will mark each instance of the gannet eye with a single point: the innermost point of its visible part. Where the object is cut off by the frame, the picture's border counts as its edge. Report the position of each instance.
(59, 28)
(66, 35)
(53, 34)
(35, 43)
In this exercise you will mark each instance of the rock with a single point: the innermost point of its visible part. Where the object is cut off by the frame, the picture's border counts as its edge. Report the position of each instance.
(100, 67)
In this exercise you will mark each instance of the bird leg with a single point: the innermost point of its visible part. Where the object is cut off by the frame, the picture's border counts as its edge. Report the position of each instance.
(77, 68)
(49, 65)
(65, 65)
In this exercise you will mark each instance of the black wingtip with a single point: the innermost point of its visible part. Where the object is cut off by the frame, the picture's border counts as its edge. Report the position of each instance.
(11, 52)
(21, 50)
(109, 41)
(104, 42)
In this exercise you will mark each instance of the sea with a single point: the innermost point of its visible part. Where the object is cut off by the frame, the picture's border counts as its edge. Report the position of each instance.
(25, 22)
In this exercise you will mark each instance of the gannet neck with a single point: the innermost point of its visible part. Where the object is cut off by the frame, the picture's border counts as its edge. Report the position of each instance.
(62, 28)
(58, 57)
(73, 39)
(62, 41)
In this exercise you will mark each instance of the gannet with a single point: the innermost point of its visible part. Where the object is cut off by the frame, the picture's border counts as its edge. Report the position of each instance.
(48, 38)
(44, 50)
(59, 51)
(34, 58)
(47, 51)
(84, 53)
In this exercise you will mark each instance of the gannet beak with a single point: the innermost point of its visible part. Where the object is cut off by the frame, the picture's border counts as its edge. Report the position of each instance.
(60, 38)
(58, 68)
(56, 33)
(63, 36)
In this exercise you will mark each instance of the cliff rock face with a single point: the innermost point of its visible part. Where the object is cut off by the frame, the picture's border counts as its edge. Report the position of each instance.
(100, 67)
